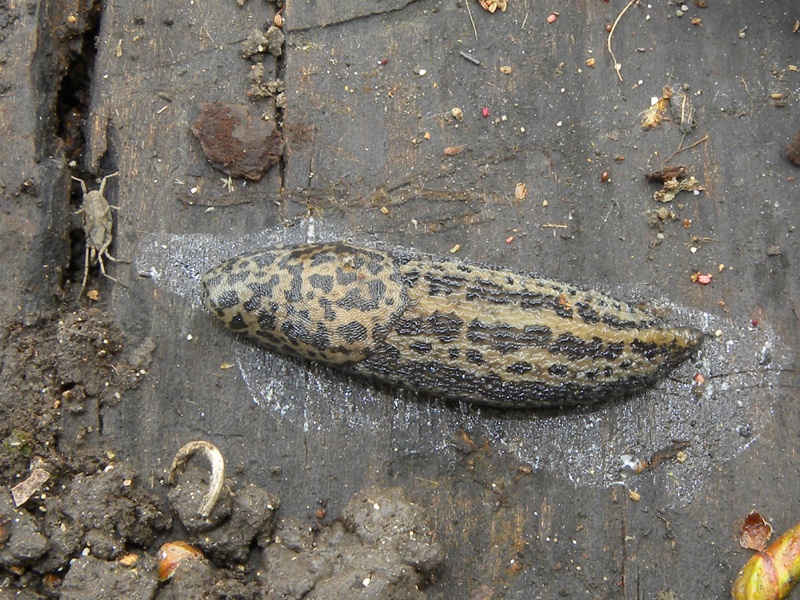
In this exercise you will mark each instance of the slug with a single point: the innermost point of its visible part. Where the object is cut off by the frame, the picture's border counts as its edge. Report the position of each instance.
(444, 327)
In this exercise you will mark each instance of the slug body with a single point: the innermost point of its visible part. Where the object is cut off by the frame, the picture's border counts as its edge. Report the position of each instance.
(444, 327)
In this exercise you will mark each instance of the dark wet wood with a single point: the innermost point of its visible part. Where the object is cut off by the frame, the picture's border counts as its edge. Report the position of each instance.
(369, 95)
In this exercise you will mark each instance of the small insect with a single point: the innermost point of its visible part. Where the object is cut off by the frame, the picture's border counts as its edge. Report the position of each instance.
(445, 327)
(97, 225)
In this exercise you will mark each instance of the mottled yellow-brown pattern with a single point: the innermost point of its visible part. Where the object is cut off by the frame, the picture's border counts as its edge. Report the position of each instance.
(445, 327)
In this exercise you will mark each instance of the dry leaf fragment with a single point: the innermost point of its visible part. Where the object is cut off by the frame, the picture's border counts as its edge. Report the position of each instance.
(755, 532)
(658, 109)
(520, 191)
(672, 187)
(22, 492)
(505, 69)
(454, 150)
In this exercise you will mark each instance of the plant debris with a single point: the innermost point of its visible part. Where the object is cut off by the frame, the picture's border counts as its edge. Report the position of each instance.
(493, 5)
(24, 490)
(682, 110)
(667, 173)
(675, 181)
(772, 573)
(673, 187)
(658, 110)
(674, 450)
(611, 30)
(755, 532)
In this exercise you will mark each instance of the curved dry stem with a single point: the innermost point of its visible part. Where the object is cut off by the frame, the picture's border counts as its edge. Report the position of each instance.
(215, 460)
(617, 66)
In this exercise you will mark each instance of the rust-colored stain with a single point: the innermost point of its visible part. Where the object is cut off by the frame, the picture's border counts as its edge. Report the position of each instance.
(236, 140)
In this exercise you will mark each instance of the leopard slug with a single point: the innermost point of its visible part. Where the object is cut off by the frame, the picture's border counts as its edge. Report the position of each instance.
(444, 327)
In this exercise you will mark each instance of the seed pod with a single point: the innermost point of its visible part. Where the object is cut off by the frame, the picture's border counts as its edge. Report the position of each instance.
(172, 554)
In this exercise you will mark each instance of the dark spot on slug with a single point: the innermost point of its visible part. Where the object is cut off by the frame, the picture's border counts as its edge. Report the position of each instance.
(235, 278)
(475, 357)
(647, 349)
(321, 282)
(519, 368)
(345, 278)
(227, 299)
(327, 310)
(576, 348)
(352, 332)
(421, 347)
(266, 320)
(237, 322)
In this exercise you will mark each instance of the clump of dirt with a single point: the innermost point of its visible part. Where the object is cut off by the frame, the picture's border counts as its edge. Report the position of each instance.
(384, 548)
(57, 370)
(76, 523)
(238, 517)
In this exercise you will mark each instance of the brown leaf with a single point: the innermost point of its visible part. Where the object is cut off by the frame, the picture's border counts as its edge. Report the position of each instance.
(755, 532)
(520, 191)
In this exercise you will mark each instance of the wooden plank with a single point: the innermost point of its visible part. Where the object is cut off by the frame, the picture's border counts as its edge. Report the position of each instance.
(541, 507)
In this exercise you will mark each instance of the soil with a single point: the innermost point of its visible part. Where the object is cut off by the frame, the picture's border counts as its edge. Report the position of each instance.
(95, 528)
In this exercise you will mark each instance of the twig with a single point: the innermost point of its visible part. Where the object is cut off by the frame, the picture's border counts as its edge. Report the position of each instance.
(469, 57)
(617, 66)
(697, 143)
(475, 29)
(744, 83)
